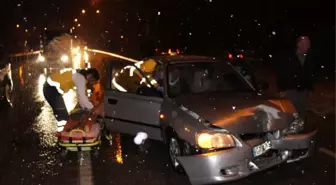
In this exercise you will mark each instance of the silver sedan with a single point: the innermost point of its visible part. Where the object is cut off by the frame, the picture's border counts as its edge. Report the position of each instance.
(217, 126)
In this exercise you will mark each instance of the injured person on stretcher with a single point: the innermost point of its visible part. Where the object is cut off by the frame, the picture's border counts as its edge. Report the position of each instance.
(80, 127)
(83, 126)
(60, 83)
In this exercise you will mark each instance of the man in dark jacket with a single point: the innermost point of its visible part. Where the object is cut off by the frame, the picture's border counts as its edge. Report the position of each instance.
(296, 75)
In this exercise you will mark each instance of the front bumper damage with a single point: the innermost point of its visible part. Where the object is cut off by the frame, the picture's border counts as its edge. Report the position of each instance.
(237, 163)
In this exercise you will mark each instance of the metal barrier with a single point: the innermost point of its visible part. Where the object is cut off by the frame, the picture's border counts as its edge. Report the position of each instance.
(23, 56)
(30, 55)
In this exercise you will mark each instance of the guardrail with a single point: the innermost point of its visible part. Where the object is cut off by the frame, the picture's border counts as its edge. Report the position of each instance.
(23, 56)
(30, 55)
(112, 55)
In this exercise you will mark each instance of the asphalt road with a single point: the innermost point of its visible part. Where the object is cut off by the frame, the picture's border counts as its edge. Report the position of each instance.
(28, 153)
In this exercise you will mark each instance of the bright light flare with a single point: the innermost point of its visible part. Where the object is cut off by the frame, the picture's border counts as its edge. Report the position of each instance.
(64, 58)
(76, 61)
(75, 50)
(41, 58)
(86, 57)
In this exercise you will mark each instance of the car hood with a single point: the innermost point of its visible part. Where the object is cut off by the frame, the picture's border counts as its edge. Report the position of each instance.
(240, 113)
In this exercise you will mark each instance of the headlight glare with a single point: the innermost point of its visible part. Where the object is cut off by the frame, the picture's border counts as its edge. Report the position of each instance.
(64, 58)
(41, 58)
(215, 140)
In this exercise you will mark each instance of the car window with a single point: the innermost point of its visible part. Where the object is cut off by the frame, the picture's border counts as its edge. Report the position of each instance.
(204, 77)
(129, 79)
(246, 69)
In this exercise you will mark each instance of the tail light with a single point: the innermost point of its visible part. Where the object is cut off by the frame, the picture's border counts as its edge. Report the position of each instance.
(230, 56)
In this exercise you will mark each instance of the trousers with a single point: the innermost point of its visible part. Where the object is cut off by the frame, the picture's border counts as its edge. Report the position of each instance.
(299, 100)
(56, 102)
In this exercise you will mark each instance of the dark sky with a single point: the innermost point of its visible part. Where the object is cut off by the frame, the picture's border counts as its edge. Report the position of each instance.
(196, 24)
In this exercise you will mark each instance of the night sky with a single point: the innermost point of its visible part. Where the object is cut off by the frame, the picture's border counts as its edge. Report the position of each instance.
(195, 25)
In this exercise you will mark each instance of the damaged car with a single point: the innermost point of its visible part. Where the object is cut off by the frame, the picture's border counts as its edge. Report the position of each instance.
(217, 126)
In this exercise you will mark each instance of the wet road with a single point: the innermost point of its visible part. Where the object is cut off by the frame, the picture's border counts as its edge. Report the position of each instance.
(28, 153)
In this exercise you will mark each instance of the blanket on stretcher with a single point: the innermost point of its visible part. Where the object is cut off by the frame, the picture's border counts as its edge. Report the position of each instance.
(78, 130)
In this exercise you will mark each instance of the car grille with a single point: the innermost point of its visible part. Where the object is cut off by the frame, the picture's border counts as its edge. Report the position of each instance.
(246, 137)
(261, 136)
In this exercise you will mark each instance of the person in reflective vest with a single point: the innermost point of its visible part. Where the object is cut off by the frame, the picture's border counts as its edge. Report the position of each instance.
(4, 72)
(62, 82)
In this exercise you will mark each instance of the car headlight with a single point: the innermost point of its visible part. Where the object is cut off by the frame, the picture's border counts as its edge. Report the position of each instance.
(208, 140)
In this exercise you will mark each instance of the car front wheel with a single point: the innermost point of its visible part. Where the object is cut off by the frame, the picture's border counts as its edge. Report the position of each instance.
(174, 152)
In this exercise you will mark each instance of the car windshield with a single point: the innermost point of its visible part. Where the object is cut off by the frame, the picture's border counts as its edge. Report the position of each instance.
(204, 77)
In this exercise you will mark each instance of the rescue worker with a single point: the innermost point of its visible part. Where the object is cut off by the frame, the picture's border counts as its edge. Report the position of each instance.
(62, 82)
(4, 72)
(6, 83)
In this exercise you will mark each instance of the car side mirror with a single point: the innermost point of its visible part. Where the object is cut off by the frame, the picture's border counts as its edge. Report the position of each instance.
(262, 85)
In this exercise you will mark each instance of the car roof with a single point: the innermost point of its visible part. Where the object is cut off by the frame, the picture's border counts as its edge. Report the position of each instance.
(183, 59)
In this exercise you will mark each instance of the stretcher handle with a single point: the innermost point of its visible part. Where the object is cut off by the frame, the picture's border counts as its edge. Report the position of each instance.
(77, 130)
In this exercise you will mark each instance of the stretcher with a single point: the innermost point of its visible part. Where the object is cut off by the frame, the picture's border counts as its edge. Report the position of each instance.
(82, 132)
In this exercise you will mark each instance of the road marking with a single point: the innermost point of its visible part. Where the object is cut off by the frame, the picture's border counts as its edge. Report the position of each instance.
(327, 152)
(85, 169)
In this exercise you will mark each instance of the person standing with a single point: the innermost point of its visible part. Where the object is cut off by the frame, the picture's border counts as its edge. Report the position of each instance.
(296, 73)
(61, 82)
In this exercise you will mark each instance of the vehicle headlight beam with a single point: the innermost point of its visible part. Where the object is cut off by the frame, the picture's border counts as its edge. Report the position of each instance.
(208, 140)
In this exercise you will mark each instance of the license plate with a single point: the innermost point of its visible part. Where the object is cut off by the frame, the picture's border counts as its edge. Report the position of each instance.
(261, 149)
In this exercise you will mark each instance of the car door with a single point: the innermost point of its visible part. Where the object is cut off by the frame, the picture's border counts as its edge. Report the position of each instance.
(126, 110)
